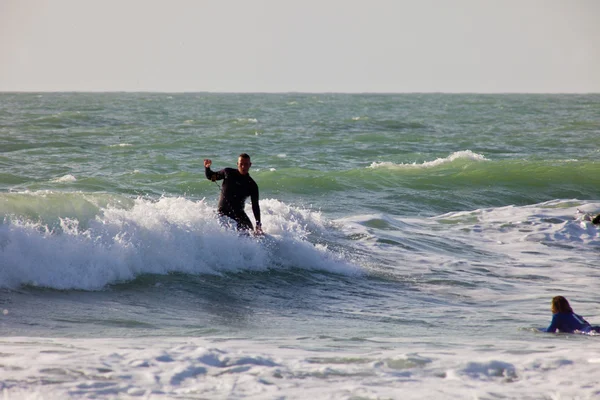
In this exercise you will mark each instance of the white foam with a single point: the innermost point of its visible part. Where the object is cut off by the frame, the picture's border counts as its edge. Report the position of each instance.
(525, 253)
(278, 368)
(247, 120)
(550, 223)
(465, 155)
(65, 178)
(168, 235)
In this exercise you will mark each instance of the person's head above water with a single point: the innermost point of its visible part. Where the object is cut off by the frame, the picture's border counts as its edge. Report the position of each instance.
(244, 163)
(560, 305)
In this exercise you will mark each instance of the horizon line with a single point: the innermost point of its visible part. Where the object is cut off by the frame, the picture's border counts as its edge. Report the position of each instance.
(282, 92)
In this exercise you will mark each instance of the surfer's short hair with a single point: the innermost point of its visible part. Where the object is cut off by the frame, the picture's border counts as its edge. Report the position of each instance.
(560, 305)
(244, 155)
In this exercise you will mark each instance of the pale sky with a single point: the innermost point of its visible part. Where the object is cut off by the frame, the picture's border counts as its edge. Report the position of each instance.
(485, 46)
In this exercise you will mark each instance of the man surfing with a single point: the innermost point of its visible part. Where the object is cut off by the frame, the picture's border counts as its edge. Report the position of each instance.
(237, 187)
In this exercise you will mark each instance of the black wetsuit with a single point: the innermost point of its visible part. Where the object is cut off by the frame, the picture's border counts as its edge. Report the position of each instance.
(236, 189)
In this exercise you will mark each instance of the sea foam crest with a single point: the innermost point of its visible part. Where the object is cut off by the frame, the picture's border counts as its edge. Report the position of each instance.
(459, 155)
(65, 178)
(158, 237)
(246, 120)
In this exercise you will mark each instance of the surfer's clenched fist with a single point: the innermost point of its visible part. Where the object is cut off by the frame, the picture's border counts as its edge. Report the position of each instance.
(207, 163)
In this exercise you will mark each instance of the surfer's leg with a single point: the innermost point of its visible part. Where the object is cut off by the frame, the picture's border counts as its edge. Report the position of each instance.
(243, 222)
(226, 218)
(240, 217)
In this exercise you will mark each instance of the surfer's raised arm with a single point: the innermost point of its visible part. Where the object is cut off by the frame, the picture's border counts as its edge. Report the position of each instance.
(210, 174)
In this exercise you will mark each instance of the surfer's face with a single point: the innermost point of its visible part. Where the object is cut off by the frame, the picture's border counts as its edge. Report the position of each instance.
(243, 165)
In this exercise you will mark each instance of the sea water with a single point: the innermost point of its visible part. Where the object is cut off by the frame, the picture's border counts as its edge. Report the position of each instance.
(414, 244)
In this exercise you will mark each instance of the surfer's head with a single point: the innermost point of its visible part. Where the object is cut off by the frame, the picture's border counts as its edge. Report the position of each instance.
(596, 220)
(244, 163)
(560, 305)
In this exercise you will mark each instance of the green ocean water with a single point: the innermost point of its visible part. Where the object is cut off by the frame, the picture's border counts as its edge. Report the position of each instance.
(328, 150)
(414, 243)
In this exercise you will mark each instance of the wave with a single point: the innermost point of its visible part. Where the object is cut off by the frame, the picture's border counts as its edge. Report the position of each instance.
(246, 120)
(88, 241)
(462, 169)
(521, 181)
(463, 180)
(70, 118)
(64, 178)
(471, 164)
(459, 155)
(553, 242)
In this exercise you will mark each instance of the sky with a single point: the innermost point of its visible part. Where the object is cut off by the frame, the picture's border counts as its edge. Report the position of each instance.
(399, 46)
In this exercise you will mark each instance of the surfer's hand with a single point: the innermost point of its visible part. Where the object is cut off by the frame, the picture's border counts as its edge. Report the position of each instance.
(207, 163)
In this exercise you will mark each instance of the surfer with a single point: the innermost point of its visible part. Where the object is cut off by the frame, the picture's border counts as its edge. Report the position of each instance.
(237, 187)
(565, 320)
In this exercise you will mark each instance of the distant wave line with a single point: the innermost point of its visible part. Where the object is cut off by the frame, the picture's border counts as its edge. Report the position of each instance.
(465, 154)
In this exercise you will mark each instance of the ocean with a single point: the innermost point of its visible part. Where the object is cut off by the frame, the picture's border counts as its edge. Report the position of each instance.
(414, 244)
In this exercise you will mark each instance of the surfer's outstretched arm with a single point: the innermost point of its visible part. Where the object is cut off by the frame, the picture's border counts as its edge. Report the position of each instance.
(210, 174)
